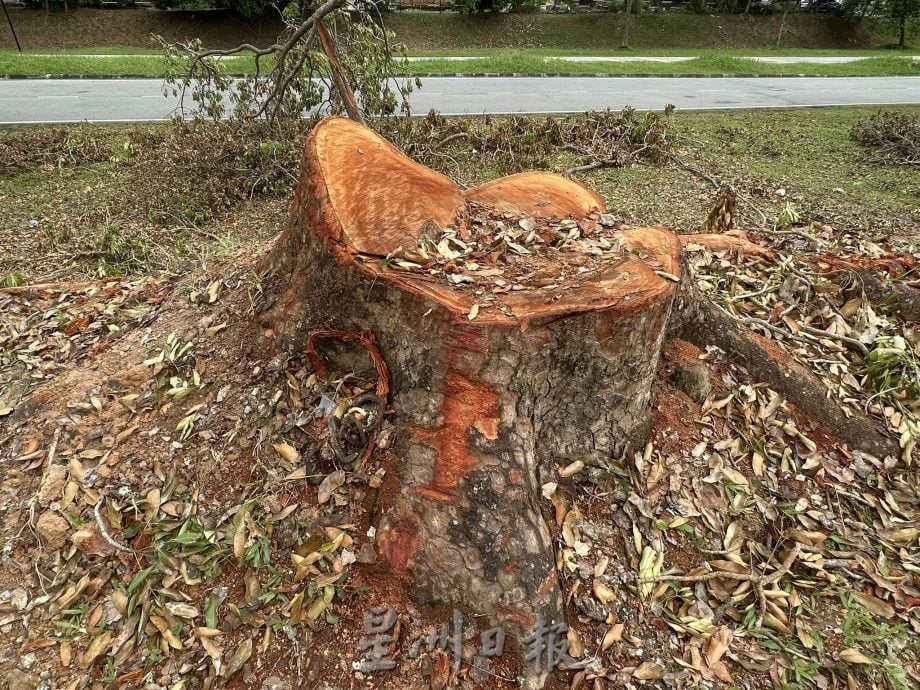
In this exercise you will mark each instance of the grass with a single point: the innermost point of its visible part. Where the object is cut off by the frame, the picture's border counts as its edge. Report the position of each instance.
(501, 62)
(481, 51)
(807, 153)
(86, 222)
(523, 62)
(36, 65)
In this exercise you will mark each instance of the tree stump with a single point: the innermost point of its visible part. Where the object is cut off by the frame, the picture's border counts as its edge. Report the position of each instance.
(484, 407)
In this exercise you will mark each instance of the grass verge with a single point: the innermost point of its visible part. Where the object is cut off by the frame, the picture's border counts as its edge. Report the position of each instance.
(502, 62)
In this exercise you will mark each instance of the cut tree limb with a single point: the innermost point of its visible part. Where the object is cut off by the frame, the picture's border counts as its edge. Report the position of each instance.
(727, 242)
(338, 74)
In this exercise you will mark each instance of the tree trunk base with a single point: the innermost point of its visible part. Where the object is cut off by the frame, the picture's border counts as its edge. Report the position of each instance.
(484, 408)
(486, 405)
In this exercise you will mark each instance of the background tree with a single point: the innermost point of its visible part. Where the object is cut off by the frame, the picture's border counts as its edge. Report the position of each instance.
(905, 15)
(326, 60)
(249, 9)
(632, 7)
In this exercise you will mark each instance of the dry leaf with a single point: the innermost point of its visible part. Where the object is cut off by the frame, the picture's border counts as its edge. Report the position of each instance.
(288, 452)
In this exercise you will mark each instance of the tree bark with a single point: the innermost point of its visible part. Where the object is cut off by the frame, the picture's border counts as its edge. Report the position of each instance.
(624, 40)
(782, 24)
(339, 78)
(484, 409)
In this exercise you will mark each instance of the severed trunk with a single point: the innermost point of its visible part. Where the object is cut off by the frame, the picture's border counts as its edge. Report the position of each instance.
(487, 405)
(484, 408)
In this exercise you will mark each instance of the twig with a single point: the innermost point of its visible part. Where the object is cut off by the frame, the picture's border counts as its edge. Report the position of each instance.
(103, 530)
(452, 137)
(759, 581)
(718, 185)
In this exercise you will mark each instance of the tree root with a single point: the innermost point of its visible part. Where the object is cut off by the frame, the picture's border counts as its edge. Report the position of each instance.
(704, 323)
(721, 243)
(903, 299)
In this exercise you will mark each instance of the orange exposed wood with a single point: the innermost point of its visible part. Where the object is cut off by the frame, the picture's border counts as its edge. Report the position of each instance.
(398, 545)
(378, 199)
(537, 194)
(723, 243)
(468, 405)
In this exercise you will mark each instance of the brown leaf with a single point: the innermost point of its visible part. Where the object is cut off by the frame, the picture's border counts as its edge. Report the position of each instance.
(329, 485)
(854, 656)
(96, 648)
(286, 451)
(239, 657)
(613, 635)
(649, 670)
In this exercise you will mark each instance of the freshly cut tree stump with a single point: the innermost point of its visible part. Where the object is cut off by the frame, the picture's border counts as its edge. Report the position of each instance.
(485, 404)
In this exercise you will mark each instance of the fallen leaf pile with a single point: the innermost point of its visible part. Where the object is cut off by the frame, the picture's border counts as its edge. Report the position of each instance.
(186, 506)
(501, 252)
(175, 513)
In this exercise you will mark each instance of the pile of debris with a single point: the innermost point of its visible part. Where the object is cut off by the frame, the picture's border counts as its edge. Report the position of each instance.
(489, 252)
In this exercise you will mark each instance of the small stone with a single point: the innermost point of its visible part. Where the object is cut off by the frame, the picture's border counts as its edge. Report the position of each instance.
(52, 485)
(52, 528)
(27, 661)
(366, 554)
(20, 680)
(91, 542)
(275, 683)
(694, 381)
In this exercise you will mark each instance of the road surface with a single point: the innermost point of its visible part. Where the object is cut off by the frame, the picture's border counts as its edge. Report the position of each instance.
(25, 101)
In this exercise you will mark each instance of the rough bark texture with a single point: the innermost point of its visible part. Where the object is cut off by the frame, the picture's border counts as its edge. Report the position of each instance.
(484, 407)
(902, 298)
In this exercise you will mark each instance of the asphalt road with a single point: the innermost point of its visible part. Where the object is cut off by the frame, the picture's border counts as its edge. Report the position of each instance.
(24, 101)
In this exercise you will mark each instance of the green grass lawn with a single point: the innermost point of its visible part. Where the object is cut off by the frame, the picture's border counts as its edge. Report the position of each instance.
(503, 62)
(532, 62)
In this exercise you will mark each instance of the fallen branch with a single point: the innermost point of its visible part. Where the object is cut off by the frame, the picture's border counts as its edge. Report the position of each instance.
(30, 290)
(721, 243)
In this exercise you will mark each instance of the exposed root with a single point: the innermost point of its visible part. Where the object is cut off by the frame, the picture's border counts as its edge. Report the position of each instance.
(903, 299)
(704, 323)
(721, 243)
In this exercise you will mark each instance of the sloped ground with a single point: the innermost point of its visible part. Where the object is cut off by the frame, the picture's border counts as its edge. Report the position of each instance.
(173, 514)
(92, 28)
